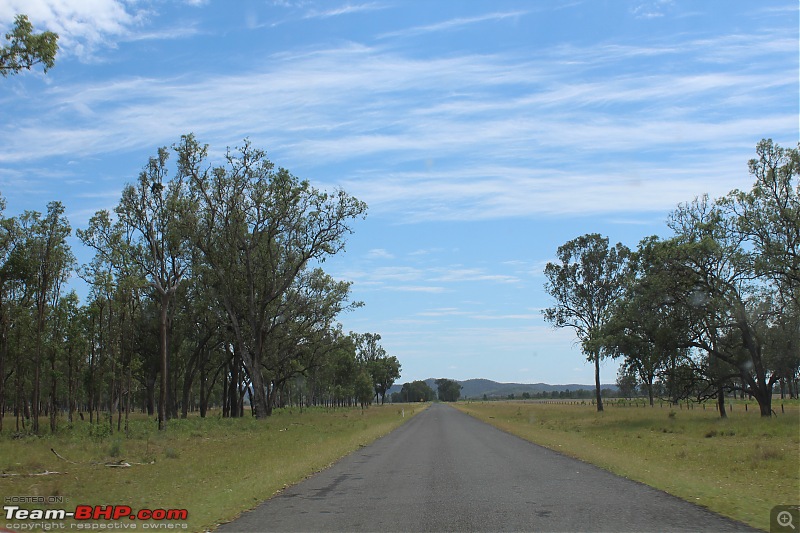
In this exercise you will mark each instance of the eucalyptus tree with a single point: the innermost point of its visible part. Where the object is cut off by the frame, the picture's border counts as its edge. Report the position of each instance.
(720, 288)
(448, 390)
(303, 329)
(585, 283)
(26, 49)
(116, 291)
(64, 339)
(383, 369)
(768, 216)
(336, 378)
(9, 238)
(152, 214)
(49, 263)
(642, 326)
(258, 228)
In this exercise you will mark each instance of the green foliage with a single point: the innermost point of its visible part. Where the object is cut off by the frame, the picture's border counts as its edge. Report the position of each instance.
(448, 390)
(716, 307)
(25, 49)
(363, 388)
(585, 283)
(415, 391)
(99, 432)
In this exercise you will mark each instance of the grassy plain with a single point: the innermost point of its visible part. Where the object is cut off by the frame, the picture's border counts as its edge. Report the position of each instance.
(739, 467)
(214, 467)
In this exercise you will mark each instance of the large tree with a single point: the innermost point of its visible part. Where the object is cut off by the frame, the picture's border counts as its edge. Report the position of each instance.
(152, 214)
(585, 282)
(258, 228)
(717, 285)
(448, 390)
(49, 262)
(26, 49)
(768, 216)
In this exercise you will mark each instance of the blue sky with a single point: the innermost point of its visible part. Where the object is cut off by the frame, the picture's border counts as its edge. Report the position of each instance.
(482, 135)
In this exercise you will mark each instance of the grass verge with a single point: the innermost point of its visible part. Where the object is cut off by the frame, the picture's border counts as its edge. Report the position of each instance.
(739, 467)
(213, 467)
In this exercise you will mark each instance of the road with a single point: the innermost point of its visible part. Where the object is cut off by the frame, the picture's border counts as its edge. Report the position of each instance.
(446, 471)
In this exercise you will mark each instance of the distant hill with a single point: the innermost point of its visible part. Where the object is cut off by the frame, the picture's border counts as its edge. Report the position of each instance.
(476, 388)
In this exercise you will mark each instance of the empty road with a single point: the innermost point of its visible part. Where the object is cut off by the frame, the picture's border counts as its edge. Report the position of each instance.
(446, 471)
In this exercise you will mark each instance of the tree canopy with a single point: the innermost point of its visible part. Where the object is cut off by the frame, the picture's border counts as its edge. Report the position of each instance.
(26, 49)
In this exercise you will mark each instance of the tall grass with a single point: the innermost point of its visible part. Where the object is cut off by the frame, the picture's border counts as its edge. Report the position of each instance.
(740, 467)
(214, 467)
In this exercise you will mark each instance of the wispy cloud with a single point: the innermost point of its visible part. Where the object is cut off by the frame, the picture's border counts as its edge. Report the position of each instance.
(379, 253)
(466, 137)
(346, 9)
(452, 24)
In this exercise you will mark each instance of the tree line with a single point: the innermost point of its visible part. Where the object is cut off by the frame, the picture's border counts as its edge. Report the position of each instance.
(447, 390)
(205, 289)
(713, 309)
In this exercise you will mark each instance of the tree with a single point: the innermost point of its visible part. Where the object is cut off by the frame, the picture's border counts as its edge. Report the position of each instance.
(717, 286)
(26, 49)
(152, 214)
(384, 373)
(257, 229)
(768, 216)
(363, 388)
(383, 369)
(626, 381)
(448, 390)
(9, 239)
(416, 391)
(49, 262)
(585, 284)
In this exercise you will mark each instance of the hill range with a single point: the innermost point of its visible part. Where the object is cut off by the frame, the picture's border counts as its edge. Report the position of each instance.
(476, 388)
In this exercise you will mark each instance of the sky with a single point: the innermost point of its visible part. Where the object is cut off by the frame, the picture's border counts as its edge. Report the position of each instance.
(481, 134)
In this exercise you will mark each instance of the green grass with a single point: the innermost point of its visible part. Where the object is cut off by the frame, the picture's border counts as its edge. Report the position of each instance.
(739, 467)
(214, 467)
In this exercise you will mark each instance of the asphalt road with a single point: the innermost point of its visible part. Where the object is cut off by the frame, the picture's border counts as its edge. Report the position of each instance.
(446, 471)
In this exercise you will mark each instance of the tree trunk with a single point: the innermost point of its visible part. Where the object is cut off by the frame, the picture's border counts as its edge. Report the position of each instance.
(53, 392)
(162, 400)
(721, 403)
(150, 387)
(3, 358)
(597, 381)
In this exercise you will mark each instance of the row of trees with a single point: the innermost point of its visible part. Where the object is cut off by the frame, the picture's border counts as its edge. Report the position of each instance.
(205, 288)
(713, 309)
(447, 390)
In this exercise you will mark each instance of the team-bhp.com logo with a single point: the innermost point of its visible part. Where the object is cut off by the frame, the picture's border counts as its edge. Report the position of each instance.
(90, 513)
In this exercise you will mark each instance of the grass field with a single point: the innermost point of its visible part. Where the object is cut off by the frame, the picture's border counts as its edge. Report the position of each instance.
(739, 467)
(214, 467)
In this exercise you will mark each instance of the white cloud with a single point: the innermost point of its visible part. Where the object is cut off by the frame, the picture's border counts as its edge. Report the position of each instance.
(82, 25)
(346, 9)
(379, 253)
(511, 135)
(453, 24)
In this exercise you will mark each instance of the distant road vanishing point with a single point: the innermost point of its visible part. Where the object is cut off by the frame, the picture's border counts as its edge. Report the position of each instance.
(446, 471)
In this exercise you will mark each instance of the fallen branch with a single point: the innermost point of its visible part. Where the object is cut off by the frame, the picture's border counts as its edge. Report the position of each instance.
(62, 458)
(114, 464)
(45, 473)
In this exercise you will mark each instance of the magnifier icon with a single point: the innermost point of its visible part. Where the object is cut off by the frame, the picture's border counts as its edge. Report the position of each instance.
(785, 519)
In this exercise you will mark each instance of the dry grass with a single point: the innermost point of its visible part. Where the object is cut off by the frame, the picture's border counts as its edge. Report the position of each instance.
(216, 468)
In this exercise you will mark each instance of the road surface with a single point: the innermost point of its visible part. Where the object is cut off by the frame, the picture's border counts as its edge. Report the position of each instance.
(446, 471)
